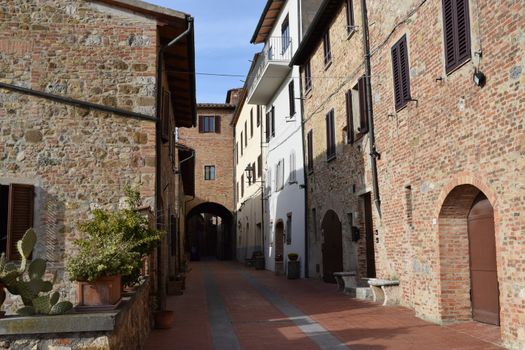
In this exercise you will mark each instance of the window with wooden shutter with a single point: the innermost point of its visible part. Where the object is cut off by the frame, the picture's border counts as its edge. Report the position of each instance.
(349, 118)
(259, 115)
(307, 77)
(165, 115)
(456, 29)
(400, 72)
(218, 124)
(350, 24)
(259, 166)
(245, 133)
(242, 145)
(363, 109)
(330, 136)
(327, 49)
(251, 123)
(291, 98)
(272, 116)
(268, 126)
(19, 216)
(310, 146)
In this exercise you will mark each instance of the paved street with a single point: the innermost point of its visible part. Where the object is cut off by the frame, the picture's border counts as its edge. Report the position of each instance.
(228, 306)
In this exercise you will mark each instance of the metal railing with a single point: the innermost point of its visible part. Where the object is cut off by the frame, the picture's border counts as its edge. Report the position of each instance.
(276, 49)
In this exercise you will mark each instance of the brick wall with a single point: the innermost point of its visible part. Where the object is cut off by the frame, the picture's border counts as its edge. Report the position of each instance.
(456, 138)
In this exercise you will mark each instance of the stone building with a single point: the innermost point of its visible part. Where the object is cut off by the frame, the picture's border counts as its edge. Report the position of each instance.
(78, 118)
(249, 126)
(210, 211)
(447, 110)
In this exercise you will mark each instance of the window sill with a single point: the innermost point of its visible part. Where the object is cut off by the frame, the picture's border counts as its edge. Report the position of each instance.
(328, 64)
(308, 91)
(331, 158)
(458, 66)
(351, 33)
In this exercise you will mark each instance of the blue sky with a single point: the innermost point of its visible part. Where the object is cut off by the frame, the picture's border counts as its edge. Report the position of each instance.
(223, 30)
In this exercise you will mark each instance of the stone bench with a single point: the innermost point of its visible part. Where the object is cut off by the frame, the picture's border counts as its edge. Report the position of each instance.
(385, 291)
(346, 281)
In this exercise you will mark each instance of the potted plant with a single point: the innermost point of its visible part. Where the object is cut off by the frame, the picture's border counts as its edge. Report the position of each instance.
(109, 254)
(293, 256)
(294, 267)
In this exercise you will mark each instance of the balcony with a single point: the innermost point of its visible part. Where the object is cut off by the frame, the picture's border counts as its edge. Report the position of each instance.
(270, 70)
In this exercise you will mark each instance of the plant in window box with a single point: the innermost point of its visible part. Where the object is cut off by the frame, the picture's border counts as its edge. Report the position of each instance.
(109, 255)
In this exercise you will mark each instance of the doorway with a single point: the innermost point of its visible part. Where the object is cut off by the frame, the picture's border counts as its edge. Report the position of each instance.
(332, 247)
(279, 248)
(369, 237)
(483, 266)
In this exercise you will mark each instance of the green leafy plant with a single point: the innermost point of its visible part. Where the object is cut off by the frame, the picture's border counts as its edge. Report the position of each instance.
(28, 281)
(113, 243)
(293, 256)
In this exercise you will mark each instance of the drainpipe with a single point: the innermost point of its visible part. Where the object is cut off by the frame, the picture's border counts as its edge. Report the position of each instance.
(262, 180)
(371, 131)
(161, 279)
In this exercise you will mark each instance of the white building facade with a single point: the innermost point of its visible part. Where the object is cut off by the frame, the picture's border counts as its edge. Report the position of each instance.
(276, 85)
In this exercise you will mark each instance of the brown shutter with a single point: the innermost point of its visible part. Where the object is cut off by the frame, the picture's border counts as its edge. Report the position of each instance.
(401, 73)
(363, 110)
(310, 151)
(20, 216)
(218, 124)
(201, 123)
(463, 30)
(398, 97)
(349, 15)
(165, 115)
(268, 126)
(273, 121)
(291, 98)
(349, 118)
(456, 29)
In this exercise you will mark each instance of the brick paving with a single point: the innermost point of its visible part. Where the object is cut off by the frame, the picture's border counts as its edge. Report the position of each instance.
(257, 306)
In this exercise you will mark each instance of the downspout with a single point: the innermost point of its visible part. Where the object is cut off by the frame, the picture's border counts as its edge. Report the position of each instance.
(161, 280)
(371, 131)
(262, 179)
(305, 189)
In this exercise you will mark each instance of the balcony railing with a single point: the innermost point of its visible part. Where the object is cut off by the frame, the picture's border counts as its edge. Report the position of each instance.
(277, 50)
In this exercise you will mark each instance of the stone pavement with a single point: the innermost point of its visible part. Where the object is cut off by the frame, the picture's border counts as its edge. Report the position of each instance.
(227, 306)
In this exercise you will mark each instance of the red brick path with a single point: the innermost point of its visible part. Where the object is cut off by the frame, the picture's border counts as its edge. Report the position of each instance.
(260, 325)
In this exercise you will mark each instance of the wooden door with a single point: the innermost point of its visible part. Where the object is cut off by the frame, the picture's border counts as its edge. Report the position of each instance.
(279, 248)
(332, 246)
(369, 238)
(483, 267)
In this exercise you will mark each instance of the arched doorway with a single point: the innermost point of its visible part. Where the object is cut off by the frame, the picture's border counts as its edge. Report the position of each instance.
(209, 231)
(469, 282)
(279, 247)
(332, 246)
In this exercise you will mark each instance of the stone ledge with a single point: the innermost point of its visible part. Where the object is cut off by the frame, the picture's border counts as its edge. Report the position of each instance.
(76, 322)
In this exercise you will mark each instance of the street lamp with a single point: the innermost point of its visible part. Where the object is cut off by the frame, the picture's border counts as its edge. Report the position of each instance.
(249, 173)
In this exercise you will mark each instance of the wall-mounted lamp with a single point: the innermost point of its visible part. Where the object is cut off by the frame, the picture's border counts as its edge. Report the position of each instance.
(249, 172)
(479, 78)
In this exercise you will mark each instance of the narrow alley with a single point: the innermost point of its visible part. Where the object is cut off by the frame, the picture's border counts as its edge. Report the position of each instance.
(228, 306)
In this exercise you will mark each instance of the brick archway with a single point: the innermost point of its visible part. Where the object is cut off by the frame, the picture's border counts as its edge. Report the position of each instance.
(455, 302)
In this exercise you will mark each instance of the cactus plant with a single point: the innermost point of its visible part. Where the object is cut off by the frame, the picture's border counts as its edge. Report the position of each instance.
(28, 282)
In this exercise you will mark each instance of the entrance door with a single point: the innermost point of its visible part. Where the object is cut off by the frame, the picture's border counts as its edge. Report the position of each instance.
(279, 248)
(483, 272)
(369, 237)
(332, 246)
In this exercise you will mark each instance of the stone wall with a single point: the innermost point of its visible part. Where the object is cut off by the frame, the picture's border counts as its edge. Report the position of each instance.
(126, 328)
(454, 134)
(77, 159)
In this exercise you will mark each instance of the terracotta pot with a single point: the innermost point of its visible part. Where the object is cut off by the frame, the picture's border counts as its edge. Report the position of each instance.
(164, 319)
(105, 292)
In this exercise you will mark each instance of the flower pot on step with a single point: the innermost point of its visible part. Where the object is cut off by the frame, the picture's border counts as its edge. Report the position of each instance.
(101, 294)
(164, 319)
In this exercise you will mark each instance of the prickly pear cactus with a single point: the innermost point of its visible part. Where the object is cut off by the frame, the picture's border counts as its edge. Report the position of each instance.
(28, 281)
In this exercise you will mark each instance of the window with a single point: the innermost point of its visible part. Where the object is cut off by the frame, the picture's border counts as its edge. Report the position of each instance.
(310, 145)
(259, 166)
(209, 172)
(291, 98)
(330, 136)
(357, 111)
(285, 34)
(246, 133)
(279, 175)
(259, 110)
(237, 152)
(307, 77)
(242, 185)
(209, 124)
(350, 24)
(165, 116)
(349, 118)
(272, 120)
(400, 72)
(251, 123)
(289, 228)
(327, 49)
(292, 178)
(268, 126)
(242, 145)
(456, 32)
(269, 184)
(237, 193)
(16, 216)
